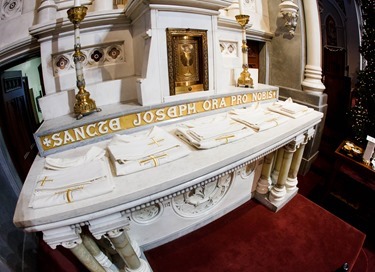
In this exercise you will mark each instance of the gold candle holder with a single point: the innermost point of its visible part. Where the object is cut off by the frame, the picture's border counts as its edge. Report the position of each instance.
(245, 79)
(84, 105)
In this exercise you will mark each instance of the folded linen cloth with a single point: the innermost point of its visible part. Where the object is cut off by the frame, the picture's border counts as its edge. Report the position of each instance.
(70, 184)
(94, 153)
(289, 108)
(131, 154)
(258, 119)
(210, 132)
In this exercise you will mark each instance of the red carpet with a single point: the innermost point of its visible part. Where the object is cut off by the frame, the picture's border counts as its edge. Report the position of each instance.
(300, 237)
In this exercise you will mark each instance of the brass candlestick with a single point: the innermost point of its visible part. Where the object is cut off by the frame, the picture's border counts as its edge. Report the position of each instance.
(84, 105)
(245, 79)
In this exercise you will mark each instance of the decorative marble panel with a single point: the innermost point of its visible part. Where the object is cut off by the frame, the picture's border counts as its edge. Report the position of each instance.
(92, 57)
(229, 49)
(202, 198)
(10, 9)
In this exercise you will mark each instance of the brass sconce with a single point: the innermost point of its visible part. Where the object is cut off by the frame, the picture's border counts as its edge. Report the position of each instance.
(84, 105)
(245, 79)
(289, 12)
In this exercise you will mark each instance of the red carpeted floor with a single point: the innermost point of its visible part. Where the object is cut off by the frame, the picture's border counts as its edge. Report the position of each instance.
(300, 237)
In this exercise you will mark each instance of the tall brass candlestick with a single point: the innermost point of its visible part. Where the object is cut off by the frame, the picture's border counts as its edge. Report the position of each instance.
(84, 105)
(245, 79)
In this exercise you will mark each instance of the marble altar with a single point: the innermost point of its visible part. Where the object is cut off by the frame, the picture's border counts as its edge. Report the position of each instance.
(153, 206)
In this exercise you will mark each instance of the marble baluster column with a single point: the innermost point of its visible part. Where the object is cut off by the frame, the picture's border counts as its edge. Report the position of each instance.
(292, 181)
(85, 257)
(277, 167)
(123, 246)
(278, 191)
(93, 248)
(300, 142)
(265, 181)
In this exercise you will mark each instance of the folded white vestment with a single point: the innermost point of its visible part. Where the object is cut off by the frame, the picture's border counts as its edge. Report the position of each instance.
(70, 184)
(131, 154)
(205, 133)
(259, 119)
(289, 108)
(94, 153)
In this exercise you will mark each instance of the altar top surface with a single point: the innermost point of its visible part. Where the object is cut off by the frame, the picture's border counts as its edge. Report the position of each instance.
(152, 184)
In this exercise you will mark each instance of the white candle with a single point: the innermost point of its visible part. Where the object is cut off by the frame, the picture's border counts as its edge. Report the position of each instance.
(77, 3)
(241, 6)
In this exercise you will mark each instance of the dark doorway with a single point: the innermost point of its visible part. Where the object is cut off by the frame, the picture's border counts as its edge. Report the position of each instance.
(17, 120)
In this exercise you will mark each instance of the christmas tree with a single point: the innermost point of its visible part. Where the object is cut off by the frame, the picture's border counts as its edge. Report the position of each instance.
(362, 114)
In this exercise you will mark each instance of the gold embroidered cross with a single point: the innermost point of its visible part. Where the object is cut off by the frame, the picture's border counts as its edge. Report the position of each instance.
(154, 159)
(225, 138)
(68, 193)
(157, 142)
(44, 180)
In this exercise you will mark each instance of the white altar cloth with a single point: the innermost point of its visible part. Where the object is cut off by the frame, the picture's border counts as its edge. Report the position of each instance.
(131, 154)
(259, 119)
(205, 133)
(70, 184)
(289, 108)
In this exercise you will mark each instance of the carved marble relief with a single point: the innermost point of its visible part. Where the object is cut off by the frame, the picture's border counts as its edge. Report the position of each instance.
(148, 214)
(202, 198)
(229, 49)
(92, 57)
(10, 9)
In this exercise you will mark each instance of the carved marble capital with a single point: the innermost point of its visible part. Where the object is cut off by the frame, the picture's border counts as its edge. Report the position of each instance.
(113, 223)
(67, 236)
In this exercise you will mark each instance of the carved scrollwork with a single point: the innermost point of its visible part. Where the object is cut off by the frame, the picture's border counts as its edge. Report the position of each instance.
(147, 214)
(201, 199)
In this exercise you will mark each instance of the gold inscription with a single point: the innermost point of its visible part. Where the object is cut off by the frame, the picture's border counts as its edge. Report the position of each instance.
(133, 120)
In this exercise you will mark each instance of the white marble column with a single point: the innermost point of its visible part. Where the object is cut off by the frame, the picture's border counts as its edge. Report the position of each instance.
(292, 181)
(123, 246)
(265, 181)
(278, 161)
(85, 257)
(313, 69)
(278, 192)
(300, 142)
(95, 251)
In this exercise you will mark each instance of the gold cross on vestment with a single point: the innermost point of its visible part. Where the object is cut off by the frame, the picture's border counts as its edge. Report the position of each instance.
(44, 180)
(69, 191)
(154, 159)
(225, 138)
(157, 142)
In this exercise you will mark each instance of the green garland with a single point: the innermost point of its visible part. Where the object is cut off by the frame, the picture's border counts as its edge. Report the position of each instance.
(362, 114)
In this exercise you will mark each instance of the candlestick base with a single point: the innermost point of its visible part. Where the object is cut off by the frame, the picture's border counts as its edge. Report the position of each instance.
(245, 79)
(84, 105)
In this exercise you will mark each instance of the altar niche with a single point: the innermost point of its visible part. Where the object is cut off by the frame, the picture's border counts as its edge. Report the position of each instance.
(187, 60)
